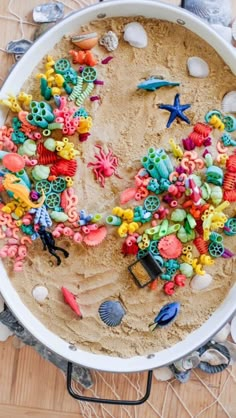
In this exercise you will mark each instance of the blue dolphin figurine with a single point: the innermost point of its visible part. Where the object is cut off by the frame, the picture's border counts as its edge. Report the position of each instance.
(153, 84)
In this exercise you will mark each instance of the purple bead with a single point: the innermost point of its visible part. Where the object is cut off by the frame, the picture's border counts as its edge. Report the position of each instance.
(180, 169)
(188, 144)
(34, 195)
(167, 198)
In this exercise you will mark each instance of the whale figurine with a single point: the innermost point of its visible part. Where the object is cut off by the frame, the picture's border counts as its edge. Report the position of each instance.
(153, 84)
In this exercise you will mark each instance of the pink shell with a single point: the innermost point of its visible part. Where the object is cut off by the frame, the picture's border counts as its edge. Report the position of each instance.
(95, 237)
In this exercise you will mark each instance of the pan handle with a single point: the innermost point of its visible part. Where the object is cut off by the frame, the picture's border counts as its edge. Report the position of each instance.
(104, 400)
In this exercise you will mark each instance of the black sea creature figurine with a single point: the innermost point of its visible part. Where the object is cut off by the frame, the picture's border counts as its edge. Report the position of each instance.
(49, 244)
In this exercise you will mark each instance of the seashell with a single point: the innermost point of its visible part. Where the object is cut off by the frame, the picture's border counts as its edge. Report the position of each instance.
(182, 377)
(213, 11)
(234, 32)
(232, 351)
(214, 358)
(40, 293)
(222, 335)
(18, 47)
(228, 104)
(163, 374)
(188, 362)
(197, 67)
(111, 312)
(201, 282)
(85, 40)
(50, 12)
(233, 328)
(4, 332)
(167, 314)
(224, 31)
(135, 35)
(95, 237)
(110, 41)
(1, 304)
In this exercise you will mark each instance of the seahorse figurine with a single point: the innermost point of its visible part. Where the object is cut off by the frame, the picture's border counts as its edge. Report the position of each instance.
(10, 183)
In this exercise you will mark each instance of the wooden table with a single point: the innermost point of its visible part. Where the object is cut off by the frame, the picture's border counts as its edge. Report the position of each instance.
(31, 387)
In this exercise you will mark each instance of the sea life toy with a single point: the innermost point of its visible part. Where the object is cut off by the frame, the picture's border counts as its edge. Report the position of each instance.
(167, 314)
(70, 299)
(154, 83)
(12, 184)
(111, 312)
(176, 111)
(49, 244)
(105, 166)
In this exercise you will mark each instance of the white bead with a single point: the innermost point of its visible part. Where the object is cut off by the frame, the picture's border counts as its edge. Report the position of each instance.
(197, 67)
(40, 293)
(135, 35)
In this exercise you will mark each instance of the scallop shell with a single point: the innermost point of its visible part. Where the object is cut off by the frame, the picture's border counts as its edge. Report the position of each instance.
(222, 335)
(18, 47)
(228, 104)
(214, 358)
(232, 351)
(40, 293)
(201, 282)
(85, 40)
(135, 35)
(111, 312)
(233, 329)
(213, 11)
(197, 67)
(163, 374)
(95, 237)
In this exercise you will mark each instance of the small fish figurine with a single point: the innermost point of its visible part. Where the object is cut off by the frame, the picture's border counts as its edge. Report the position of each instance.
(167, 314)
(69, 298)
(154, 83)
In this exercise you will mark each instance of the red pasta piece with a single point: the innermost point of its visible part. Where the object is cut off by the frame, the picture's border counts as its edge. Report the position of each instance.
(229, 181)
(64, 167)
(230, 195)
(199, 227)
(202, 129)
(231, 164)
(196, 138)
(201, 245)
(45, 156)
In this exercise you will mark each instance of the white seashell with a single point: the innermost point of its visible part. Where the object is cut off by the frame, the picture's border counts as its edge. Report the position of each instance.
(233, 328)
(109, 41)
(224, 31)
(234, 32)
(1, 303)
(163, 374)
(135, 35)
(4, 332)
(232, 351)
(213, 357)
(228, 104)
(197, 67)
(199, 282)
(222, 335)
(40, 293)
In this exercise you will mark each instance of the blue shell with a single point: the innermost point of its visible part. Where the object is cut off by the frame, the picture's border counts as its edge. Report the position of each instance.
(166, 315)
(111, 312)
(18, 47)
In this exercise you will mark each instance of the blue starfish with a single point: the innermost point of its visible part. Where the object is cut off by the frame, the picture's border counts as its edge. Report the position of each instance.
(176, 111)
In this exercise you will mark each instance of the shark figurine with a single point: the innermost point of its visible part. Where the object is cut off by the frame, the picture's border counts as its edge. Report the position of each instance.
(154, 83)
